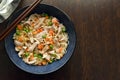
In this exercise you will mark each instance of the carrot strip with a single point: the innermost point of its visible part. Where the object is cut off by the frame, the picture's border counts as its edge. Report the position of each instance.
(19, 47)
(60, 49)
(51, 32)
(55, 20)
(19, 27)
(31, 57)
(39, 30)
(20, 39)
(34, 32)
(40, 46)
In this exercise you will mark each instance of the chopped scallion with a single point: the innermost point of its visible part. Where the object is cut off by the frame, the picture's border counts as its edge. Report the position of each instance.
(51, 46)
(63, 29)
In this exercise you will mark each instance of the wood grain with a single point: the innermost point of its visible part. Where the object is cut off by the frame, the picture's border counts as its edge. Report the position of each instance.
(97, 53)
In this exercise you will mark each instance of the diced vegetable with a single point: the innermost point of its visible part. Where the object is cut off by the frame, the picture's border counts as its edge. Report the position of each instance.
(51, 32)
(55, 20)
(31, 57)
(40, 46)
(34, 32)
(39, 30)
(44, 36)
(51, 61)
(51, 46)
(19, 47)
(60, 49)
(19, 27)
(20, 38)
(26, 54)
(40, 56)
(26, 29)
(17, 32)
(63, 29)
(50, 23)
(53, 55)
(35, 55)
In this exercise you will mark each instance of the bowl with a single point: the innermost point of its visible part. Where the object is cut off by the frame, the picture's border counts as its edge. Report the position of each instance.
(63, 18)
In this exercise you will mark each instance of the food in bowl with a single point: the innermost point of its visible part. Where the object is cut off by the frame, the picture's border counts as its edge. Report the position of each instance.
(40, 39)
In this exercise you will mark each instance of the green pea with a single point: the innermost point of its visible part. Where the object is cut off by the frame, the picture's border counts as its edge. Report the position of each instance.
(50, 23)
(53, 55)
(44, 36)
(40, 56)
(26, 54)
(51, 46)
(26, 29)
(63, 29)
(17, 32)
(51, 61)
(35, 55)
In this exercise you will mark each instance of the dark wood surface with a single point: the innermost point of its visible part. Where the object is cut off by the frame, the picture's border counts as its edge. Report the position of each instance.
(97, 53)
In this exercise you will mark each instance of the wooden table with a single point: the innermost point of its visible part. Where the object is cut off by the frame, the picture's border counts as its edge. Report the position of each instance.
(97, 53)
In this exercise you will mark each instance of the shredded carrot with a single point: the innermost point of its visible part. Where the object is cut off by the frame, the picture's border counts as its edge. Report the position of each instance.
(26, 49)
(60, 49)
(51, 32)
(40, 46)
(20, 38)
(32, 24)
(39, 30)
(51, 41)
(47, 39)
(19, 27)
(31, 57)
(34, 32)
(57, 24)
(19, 47)
(44, 62)
(54, 20)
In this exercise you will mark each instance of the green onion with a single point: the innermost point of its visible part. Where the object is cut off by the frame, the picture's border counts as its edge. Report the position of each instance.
(63, 29)
(17, 32)
(53, 55)
(40, 56)
(50, 23)
(26, 54)
(35, 55)
(26, 29)
(51, 46)
(51, 61)
(44, 36)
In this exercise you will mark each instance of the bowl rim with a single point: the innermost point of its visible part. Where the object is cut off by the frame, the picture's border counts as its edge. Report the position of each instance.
(65, 60)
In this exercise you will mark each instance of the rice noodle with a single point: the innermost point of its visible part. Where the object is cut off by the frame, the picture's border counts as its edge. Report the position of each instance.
(40, 39)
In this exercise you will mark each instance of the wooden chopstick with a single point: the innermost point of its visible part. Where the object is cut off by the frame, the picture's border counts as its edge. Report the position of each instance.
(18, 19)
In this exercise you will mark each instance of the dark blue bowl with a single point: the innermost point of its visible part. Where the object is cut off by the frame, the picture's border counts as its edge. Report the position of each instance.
(63, 18)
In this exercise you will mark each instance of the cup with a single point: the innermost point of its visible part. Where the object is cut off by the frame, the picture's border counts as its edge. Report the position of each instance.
(6, 8)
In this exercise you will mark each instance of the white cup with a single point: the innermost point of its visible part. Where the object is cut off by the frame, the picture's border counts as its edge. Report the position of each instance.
(6, 8)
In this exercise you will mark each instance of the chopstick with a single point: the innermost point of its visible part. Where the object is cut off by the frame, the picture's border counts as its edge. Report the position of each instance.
(18, 19)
